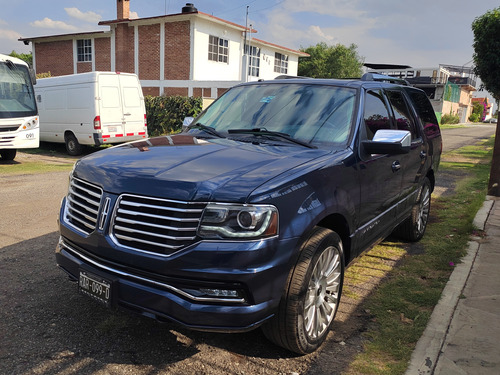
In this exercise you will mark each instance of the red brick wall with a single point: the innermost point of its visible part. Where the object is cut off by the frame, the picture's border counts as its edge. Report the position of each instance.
(149, 52)
(102, 54)
(221, 91)
(54, 57)
(83, 67)
(154, 91)
(177, 54)
(183, 91)
(124, 48)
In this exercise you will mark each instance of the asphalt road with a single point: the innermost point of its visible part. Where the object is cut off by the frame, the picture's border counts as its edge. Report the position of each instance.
(46, 327)
(463, 136)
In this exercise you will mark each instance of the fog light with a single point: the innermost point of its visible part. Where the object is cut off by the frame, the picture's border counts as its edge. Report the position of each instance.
(221, 293)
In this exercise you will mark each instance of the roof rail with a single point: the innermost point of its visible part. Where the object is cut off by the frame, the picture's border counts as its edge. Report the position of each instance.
(285, 76)
(384, 78)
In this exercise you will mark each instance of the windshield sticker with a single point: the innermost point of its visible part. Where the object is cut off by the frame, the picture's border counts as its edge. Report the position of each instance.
(267, 99)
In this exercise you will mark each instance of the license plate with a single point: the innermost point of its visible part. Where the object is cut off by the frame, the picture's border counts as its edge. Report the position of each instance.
(112, 129)
(95, 287)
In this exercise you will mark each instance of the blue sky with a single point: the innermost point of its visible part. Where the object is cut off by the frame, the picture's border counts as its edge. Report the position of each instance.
(421, 34)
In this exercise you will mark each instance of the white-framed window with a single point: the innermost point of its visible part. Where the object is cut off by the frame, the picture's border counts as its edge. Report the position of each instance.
(218, 49)
(253, 61)
(280, 63)
(84, 50)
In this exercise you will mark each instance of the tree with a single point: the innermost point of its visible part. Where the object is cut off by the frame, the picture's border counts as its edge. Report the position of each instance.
(477, 112)
(326, 61)
(27, 57)
(486, 29)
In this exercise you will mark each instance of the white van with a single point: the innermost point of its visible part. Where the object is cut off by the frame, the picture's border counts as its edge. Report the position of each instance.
(93, 108)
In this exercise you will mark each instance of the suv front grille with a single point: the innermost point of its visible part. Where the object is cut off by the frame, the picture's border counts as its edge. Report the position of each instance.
(154, 225)
(82, 209)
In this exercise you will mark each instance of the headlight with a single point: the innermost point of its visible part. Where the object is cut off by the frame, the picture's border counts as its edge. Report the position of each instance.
(238, 221)
(30, 124)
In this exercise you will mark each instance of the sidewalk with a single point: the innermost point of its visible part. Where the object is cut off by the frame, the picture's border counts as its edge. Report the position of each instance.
(463, 334)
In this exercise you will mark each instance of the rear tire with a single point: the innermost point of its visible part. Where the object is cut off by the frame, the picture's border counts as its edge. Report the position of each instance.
(413, 228)
(9, 154)
(72, 146)
(310, 302)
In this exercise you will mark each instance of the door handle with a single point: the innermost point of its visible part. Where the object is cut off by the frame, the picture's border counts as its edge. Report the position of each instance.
(126, 114)
(396, 166)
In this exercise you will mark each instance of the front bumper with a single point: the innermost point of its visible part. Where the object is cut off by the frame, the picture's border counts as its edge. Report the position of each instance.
(170, 298)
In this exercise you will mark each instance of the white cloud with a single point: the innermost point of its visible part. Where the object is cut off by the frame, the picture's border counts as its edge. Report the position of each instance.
(385, 32)
(337, 8)
(320, 34)
(133, 15)
(9, 35)
(90, 17)
(47, 23)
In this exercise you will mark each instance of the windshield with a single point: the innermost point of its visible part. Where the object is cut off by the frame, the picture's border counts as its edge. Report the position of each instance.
(16, 92)
(320, 115)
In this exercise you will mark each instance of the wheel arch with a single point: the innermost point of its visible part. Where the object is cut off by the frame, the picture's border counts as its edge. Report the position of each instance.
(339, 224)
(67, 133)
(432, 178)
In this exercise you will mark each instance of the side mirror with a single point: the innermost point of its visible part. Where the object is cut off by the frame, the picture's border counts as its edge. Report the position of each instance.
(391, 142)
(187, 121)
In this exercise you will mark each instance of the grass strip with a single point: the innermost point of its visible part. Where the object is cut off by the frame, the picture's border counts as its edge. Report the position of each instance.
(401, 306)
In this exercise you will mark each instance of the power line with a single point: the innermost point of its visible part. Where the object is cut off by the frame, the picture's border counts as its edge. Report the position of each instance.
(269, 7)
(237, 8)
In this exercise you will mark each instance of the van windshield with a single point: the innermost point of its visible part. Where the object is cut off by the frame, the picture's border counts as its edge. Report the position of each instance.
(320, 115)
(17, 98)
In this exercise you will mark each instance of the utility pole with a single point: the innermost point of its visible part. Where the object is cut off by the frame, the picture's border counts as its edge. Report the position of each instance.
(245, 57)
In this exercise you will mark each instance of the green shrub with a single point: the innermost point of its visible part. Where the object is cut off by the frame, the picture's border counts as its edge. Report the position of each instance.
(450, 119)
(475, 117)
(165, 114)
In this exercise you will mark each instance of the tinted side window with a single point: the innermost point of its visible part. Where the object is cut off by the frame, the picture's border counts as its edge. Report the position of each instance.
(425, 113)
(376, 115)
(404, 120)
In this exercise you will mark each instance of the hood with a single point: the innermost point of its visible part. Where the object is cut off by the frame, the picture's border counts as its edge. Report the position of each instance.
(188, 168)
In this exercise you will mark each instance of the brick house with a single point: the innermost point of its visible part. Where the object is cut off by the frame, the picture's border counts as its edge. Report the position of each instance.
(189, 53)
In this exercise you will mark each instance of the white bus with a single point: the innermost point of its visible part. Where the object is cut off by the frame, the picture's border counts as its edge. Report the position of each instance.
(18, 111)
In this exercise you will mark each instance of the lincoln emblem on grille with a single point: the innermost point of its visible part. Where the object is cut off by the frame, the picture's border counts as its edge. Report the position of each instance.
(104, 213)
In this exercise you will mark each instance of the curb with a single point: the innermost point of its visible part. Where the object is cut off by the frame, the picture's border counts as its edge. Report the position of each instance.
(425, 356)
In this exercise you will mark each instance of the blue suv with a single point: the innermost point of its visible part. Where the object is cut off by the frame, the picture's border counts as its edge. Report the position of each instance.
(249, 216)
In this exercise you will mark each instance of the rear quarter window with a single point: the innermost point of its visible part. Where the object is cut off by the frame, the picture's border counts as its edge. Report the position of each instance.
(425, 113)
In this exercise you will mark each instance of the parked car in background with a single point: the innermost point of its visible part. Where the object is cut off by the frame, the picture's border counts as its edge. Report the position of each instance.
(93, 108)
(249, 217)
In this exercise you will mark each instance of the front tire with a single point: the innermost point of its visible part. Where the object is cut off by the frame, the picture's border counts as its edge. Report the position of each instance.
(311, 300)
(9, 154)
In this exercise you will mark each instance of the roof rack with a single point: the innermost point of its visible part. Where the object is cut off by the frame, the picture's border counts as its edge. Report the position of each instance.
(384, 78)
(285, 76)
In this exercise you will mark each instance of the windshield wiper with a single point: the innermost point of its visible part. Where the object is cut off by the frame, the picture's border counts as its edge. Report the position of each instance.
(207, 129)
(265, 132)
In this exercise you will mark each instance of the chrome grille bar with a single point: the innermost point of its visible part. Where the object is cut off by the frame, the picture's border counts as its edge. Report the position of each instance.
(82, 207)
(155, 225)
